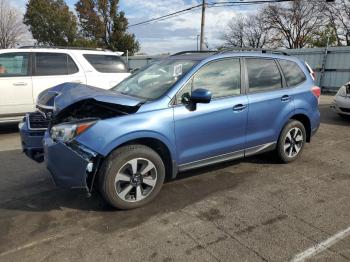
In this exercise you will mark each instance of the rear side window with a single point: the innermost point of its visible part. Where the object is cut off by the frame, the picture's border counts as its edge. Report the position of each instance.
(47, 64)
(14, 64)
(106, 63)
(292, 73)
(263, 74)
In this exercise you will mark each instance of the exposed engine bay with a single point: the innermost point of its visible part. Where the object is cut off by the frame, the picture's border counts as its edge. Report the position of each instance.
(91, 108)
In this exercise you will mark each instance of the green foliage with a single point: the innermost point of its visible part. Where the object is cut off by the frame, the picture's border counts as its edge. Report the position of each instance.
(51, 22)
(102, 23)
(322, 37)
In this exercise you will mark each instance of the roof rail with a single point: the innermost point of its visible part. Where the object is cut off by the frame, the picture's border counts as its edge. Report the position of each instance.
(65, 47)
(262, 50)
(194, 52)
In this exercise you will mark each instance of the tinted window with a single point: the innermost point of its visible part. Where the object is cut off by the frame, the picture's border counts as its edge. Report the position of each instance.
(263, 74)
(222, 78)
(292, 73)
(107, 63)
(54, 64)
(14, 64)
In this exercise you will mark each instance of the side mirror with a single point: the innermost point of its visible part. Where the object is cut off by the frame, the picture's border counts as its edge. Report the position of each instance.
(200, 95)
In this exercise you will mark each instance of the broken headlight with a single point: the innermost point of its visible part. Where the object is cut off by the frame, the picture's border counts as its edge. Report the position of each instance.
(66, 132)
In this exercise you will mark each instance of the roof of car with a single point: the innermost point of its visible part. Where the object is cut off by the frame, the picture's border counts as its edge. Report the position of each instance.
(200, 55)
(51, 49)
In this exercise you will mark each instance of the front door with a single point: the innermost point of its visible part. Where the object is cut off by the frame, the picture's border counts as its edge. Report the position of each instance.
(16, 94)
(212, 132)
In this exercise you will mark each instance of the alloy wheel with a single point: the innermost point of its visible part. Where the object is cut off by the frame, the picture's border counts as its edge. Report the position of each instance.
(136, 180)
(293, 142)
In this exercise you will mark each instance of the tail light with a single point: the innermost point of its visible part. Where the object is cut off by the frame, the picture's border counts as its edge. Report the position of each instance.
(313, 75)
(316, 92)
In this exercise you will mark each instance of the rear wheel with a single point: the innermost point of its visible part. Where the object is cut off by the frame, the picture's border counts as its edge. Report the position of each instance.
(291, 141)
(131, 176)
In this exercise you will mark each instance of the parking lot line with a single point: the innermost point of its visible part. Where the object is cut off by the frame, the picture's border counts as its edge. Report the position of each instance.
(314, 250)
(31, 244)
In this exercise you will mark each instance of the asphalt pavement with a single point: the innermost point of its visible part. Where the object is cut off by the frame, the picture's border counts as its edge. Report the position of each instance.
(253, 209)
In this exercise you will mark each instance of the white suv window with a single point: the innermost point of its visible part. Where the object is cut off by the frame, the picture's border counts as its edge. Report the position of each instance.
(47, 64)
(14, 64)
(106, 63)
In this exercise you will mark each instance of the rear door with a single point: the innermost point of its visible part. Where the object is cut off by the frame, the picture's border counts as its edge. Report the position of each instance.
(16, 95)
(107, 70)
(270, 103)
(51, 69)
(216, 131)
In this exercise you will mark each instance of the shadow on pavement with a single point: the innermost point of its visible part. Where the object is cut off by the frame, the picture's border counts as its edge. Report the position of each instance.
(8, 128)
(189, 188)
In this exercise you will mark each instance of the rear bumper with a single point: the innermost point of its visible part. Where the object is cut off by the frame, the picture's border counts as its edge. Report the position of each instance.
(71, 166)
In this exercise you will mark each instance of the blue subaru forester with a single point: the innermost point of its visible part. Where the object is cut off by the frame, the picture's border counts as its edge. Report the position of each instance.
(189, 110)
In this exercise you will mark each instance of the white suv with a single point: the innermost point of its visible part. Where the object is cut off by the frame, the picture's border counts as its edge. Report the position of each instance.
(26, 72)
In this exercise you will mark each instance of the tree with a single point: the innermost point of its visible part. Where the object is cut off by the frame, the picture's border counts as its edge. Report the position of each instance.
(51, 22)
(292, 25)
(326, 36)
(102, 23)
(338, 15)
(12, 30)
(246, 32)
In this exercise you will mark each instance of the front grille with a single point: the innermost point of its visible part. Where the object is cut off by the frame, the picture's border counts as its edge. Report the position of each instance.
(37, 121)
(346, 110)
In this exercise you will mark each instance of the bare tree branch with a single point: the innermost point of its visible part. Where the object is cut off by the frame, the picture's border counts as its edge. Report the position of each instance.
(246, 32)
(12, 29)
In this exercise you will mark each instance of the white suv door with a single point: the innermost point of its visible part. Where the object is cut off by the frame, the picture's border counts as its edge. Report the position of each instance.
(16, 94)
(54, 68)
(108, 70)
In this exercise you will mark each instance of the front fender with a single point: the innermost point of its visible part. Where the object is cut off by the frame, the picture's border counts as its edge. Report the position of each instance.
(138, 135)
(106, 135)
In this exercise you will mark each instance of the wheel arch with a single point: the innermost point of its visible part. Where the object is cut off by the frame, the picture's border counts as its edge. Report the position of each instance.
(305, 120)
(156, 142)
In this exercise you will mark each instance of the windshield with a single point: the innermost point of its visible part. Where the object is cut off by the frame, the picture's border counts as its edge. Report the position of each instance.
(154, 80)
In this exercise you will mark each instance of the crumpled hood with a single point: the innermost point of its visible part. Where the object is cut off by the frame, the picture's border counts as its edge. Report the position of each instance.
(63, 95)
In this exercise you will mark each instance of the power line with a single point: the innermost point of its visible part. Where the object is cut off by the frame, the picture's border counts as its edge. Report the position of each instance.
(171, 15)
(214, 4)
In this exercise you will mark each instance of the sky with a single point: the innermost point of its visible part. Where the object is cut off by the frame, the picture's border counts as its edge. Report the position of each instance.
(175, 34)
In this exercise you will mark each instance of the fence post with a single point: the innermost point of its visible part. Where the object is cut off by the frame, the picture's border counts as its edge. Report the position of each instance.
(324, 63)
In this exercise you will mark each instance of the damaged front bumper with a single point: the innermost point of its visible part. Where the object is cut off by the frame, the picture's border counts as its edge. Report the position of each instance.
(32, 140)
(71, 165)
(341, 105)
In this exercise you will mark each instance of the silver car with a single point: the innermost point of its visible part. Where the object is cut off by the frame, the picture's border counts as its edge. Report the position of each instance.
(341, 103)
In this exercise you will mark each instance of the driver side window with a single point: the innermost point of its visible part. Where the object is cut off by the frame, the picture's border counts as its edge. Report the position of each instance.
(221, 77)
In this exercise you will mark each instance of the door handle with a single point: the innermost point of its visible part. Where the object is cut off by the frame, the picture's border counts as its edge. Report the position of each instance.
(286, 98)
(20, 84)
(239, 107)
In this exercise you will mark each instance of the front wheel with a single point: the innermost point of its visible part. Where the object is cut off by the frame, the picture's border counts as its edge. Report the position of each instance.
(291, 141)
(131, 176)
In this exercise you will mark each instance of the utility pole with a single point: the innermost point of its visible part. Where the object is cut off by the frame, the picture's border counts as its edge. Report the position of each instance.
(202, 44)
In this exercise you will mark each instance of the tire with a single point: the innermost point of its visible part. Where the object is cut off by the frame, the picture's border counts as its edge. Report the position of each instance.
(131, 176)
(294, 135)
